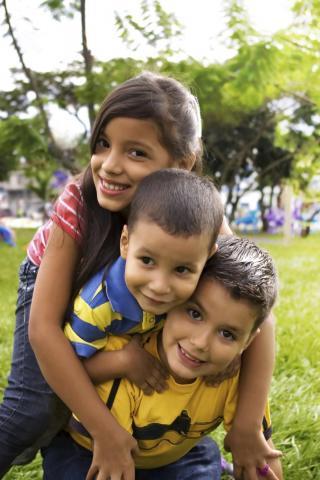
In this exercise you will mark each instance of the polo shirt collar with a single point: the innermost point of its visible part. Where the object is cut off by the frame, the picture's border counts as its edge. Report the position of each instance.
(119, 296)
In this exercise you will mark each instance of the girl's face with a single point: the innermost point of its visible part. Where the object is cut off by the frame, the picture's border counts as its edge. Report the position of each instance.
(127, 150)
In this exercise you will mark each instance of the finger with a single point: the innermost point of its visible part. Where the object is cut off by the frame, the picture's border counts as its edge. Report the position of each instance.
(274, 454)
(270, 476)
(157, 381)
(147, 389)
(92, 472)
(129, 472)
(237, 471)
(157, 385)
(250, 473)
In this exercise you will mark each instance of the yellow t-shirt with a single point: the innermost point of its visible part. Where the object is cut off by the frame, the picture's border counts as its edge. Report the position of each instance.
(168, 424)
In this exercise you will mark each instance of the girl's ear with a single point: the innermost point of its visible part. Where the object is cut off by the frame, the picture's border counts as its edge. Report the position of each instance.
(188, 162)
(185, 163)
(124, 242)
(213, 250)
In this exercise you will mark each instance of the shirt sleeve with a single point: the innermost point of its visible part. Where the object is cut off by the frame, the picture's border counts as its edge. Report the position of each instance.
(87, 327)
(68, 211)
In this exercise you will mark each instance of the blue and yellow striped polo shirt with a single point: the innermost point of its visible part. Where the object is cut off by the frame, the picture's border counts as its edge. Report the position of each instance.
(105, 307)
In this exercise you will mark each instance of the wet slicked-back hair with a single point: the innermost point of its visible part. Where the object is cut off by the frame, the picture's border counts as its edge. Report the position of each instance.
(180, 202)
(247, 272)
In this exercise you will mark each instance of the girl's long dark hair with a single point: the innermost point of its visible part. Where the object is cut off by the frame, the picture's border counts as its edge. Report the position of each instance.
(101, 234)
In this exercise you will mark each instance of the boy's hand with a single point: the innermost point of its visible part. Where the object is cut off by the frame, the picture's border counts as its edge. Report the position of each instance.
(113, 457)
(143, 369)
(250, 450)
(229, 372)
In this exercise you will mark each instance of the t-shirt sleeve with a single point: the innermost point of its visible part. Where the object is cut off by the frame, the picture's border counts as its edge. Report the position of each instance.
(89, 323)
(230, 409)
(68, 211)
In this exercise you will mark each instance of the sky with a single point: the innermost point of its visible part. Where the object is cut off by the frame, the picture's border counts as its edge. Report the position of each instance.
(48, 44)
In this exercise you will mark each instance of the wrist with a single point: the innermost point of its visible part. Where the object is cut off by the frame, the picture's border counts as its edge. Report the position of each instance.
(123, 362)
(249, 426)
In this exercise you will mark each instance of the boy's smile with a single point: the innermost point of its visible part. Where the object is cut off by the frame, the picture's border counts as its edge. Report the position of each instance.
(162, 270)
(204, 335)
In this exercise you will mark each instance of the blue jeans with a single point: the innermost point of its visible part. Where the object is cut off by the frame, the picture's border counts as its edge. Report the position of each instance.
(30, 414)
(64, 459)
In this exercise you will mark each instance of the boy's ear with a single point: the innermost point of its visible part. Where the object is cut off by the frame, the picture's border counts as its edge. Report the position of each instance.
(213, 250)
(124, 242)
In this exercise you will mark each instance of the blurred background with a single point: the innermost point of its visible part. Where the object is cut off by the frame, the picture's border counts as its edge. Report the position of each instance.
(254, 67)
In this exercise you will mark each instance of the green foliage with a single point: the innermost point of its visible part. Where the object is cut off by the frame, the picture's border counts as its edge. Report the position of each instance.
(264, 74)
(155, 28)
(62, 8)
(19, 138)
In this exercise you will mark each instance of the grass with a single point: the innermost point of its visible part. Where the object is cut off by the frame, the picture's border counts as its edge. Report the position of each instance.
(296, 386)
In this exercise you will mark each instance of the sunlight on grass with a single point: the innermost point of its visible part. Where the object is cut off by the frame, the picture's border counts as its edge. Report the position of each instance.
(296, 386)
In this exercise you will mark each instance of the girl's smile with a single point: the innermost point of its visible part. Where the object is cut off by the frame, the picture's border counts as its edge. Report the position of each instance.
(127, 150)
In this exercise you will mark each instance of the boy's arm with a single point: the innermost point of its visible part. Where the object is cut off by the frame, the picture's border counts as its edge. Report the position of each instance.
(244, 439)
(132, 362)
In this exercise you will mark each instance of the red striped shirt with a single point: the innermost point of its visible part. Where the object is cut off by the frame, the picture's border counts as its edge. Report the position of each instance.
(67, 214)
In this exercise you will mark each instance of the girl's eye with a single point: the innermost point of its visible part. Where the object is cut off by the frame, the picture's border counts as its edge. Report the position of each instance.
(228, 335)
(182, 269)
(102, 143)
(147, 261)
(194, 314)
(138, 154)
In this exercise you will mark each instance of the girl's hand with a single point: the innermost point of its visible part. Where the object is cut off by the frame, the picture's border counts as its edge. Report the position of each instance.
(113, 457)
(142, 368)
(250, 450)
(229, 372)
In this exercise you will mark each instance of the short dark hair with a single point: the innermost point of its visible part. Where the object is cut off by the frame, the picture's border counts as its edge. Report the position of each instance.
(180, 202)
(165, 101)
(246, 271)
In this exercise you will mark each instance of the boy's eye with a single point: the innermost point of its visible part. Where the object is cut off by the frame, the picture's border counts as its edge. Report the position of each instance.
(194, 314)
(227, 335)
(147, 261)
(182, 269)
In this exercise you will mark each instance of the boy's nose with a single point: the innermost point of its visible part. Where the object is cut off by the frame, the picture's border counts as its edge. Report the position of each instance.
(201, 340)
(160, 285)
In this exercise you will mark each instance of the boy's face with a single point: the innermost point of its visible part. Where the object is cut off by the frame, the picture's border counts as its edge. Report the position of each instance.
(162, 270)
(202, 336)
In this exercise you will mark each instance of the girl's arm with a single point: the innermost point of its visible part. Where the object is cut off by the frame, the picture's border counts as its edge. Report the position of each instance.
(245, 439)
(113, 446)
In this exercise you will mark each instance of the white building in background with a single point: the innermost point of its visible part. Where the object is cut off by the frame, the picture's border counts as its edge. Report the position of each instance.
(15, 197)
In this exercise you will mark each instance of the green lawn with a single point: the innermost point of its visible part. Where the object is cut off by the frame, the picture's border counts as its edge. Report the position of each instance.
(295, 396)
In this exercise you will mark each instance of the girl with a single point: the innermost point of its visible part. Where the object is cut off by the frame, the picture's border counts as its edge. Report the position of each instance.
(147, 123)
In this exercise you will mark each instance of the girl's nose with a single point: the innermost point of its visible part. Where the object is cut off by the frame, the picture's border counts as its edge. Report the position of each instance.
(112, 163)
